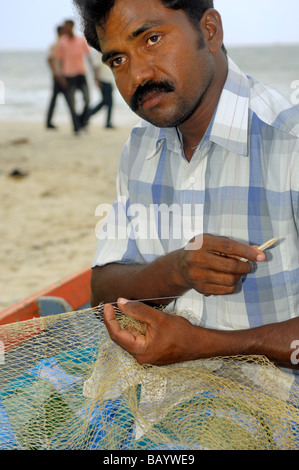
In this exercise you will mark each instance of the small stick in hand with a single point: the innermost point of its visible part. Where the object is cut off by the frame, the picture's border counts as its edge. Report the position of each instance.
(263, 247)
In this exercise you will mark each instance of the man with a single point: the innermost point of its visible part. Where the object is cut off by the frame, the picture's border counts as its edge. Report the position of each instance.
(59, 86)
(214, 138)
(71, 52)
(104, 81)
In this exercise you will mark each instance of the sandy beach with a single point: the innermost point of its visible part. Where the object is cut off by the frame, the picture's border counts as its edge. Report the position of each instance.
(50, 185)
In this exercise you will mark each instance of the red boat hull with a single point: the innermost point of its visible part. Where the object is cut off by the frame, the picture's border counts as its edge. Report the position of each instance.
(72, 293)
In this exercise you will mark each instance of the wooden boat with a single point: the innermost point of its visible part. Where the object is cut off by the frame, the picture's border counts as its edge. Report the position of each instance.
(72, 293)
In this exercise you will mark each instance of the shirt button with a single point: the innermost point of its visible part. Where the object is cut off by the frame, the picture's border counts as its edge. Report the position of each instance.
(192, 179)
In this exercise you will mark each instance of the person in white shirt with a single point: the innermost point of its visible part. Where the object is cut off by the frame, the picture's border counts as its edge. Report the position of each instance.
(105, 81)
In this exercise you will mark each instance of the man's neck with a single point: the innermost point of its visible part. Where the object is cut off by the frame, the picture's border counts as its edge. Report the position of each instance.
(195, 128)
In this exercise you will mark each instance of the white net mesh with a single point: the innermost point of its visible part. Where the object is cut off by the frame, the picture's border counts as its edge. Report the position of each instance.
(65, 385)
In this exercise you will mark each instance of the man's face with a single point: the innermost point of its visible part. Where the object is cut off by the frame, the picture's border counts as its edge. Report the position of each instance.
(161, 64)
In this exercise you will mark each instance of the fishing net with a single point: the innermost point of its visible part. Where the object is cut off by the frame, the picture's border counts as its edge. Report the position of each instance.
(65, 385)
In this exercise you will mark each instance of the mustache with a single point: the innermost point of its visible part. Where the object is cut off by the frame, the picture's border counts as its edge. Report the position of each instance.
(143, 90)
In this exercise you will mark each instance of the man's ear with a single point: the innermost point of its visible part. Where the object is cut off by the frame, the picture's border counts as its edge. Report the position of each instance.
(211, 25)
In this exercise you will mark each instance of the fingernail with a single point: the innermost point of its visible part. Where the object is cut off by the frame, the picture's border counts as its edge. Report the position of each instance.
(260, 257)
(122, 301)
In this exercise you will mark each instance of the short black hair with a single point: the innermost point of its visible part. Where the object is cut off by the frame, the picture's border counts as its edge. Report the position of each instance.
(94, 13)
(69, 21)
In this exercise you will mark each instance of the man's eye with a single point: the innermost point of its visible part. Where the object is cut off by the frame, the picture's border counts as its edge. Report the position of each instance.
(153, 40)
(114, 63)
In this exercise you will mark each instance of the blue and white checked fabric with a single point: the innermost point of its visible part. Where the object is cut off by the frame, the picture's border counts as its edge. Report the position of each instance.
(242, 182)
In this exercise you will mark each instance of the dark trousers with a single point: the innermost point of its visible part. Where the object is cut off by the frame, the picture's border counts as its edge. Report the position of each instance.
(79, 83)
(57, 89)
(107, 100)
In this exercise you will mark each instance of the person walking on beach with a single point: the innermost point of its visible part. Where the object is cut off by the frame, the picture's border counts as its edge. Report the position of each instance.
(60, 86)
(57, 86)
(72, 51)
(104, 80)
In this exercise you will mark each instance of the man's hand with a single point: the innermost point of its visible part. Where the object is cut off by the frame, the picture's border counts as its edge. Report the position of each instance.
(212, 266)
(168, 338)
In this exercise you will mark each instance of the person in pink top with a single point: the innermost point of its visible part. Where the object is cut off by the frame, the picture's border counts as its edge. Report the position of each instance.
(59, 87)
(71, 52)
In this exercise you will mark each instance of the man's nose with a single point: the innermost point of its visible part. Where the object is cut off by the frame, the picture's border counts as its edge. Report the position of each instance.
(141, 71)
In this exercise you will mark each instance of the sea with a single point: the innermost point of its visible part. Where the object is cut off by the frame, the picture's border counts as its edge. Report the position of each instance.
(25, 82)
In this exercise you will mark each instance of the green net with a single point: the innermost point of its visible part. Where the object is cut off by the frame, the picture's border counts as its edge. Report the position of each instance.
(64, 385)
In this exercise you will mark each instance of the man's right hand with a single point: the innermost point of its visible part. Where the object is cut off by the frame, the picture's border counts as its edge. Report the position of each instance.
(211, 264)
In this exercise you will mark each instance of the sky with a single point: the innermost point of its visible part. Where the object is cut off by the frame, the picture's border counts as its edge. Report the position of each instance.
(30, 24)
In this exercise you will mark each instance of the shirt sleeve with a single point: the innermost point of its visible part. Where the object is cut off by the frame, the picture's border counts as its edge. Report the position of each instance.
(294, 172)
(85, 46)
(116, 240)
(52, 52)
(59, 50)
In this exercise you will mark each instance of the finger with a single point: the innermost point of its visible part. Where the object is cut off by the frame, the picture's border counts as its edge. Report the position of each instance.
(233, 248)
(217, 262)
(214, 277)
(138, 310)
(123, 338)
(110, 320)
(215, 289)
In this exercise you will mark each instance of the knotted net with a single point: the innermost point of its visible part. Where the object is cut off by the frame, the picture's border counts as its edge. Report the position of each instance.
(65, 385)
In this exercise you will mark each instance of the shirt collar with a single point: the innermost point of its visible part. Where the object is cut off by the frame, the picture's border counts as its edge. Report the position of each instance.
(155, 145)
(229, 125)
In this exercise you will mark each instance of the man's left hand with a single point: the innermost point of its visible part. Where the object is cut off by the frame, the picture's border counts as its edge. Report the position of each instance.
(168, 338)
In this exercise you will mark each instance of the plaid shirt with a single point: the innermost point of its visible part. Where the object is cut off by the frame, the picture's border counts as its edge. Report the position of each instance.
(243, 176)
